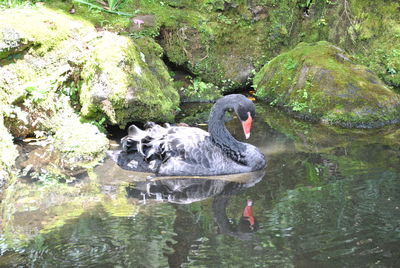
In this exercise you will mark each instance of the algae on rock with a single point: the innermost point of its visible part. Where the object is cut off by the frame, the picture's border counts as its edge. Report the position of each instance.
(320, 82)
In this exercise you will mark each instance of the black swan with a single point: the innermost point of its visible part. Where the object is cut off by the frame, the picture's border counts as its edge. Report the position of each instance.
(179, 150)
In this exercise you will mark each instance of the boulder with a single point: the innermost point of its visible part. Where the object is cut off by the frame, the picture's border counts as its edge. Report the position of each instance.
(321, 82)
(225, 62)
(107, 77)
(123, 84)
(58, 72)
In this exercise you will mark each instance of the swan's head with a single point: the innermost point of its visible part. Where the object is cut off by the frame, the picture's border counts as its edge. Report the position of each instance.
(246, 112)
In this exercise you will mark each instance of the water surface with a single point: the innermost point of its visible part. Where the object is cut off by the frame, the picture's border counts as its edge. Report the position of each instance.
(328, 197)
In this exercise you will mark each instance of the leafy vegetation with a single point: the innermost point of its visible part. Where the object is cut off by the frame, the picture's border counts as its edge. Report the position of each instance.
(16, 3)
(110, 6)
(200, 91)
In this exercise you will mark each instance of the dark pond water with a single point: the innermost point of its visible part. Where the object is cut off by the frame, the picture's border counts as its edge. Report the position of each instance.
(328, 197)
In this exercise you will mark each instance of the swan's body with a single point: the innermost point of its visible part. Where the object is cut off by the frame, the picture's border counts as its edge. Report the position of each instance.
(175, 150)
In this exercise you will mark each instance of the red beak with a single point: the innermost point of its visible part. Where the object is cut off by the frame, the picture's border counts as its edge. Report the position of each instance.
(247, 126)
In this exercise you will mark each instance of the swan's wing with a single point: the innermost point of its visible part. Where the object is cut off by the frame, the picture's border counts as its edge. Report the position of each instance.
(190, 151)
(140, 141)
(181, 140)
(172, 146)
(180, 151)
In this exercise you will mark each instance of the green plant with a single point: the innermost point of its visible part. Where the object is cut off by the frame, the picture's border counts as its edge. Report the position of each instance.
(113, 4)
(37, 94)
(298, 106)
(97, 123)
(291, 64)
(306, 4)
(145, 32)
(14, 3)
(331, 2)
(224, 19)
(71, 90)
(198, 88)
(47, 177)
(321, 22)
(110, 6)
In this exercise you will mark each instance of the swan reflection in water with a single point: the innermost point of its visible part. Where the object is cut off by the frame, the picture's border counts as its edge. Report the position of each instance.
(184, 190)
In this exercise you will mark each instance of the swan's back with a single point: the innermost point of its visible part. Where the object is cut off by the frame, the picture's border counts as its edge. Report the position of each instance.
(175, 151)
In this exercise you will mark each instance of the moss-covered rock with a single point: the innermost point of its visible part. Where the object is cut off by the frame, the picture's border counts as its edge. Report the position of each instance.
(320, 82)
(221, 41)
(80, 145)
(221, 48)
(55, 67)
(119, 81)
(52, 42)
(126, 84)
(369, 29)
(69, 145)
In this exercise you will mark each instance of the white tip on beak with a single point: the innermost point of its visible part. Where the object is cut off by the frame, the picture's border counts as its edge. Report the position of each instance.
(247, 135)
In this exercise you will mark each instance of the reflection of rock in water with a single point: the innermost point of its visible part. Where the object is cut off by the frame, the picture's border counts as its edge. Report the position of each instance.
(182, 190)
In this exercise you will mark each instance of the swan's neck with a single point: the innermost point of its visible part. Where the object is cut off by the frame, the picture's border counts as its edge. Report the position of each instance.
(221, 136)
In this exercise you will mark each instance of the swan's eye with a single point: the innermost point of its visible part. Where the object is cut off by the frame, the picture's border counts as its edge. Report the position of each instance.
(242, 113)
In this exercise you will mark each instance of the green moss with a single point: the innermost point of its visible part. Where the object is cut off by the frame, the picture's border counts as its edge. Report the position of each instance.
(198, 33)
(206, 47)
(126, 84)
(95, 17)
(369, 29)
(41, 28)
(320, 82)
(43, 67)
(80, 145)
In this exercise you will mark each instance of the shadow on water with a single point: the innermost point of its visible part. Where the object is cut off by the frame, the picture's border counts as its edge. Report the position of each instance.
(328, 197)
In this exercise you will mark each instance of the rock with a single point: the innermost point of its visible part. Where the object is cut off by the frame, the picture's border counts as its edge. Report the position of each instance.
(11, 42)
(202, 36)
(320, 82)
(258, 12)
(118, 80)
(57, 67)
(80, 145)
(225, 62)
(73, 145)
(123, 84)
(8, 153)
